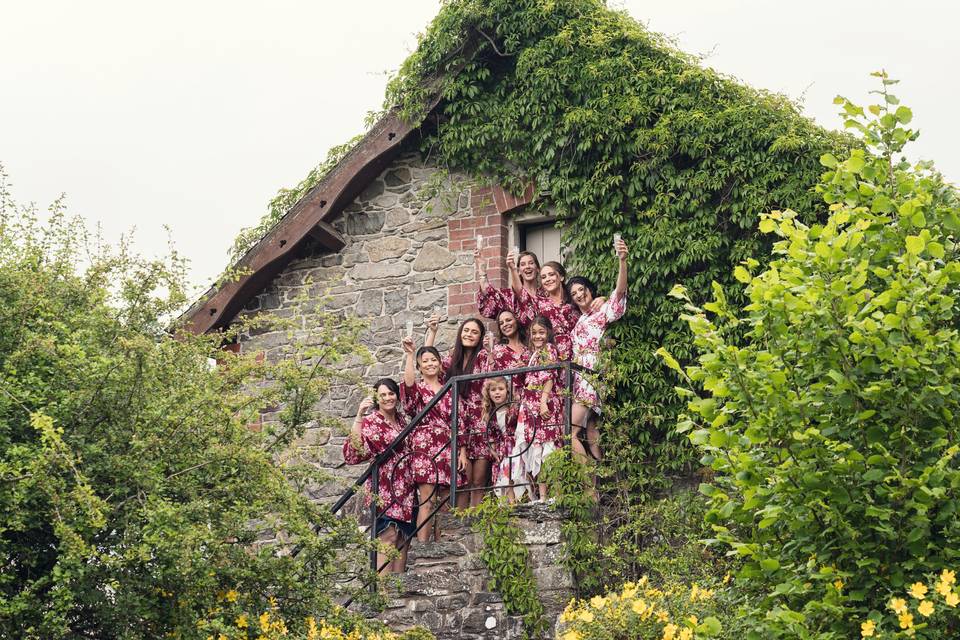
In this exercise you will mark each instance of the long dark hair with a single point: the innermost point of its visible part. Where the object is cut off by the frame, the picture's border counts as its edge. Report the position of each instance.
(457, 365)
(556, 266)
(521, 333)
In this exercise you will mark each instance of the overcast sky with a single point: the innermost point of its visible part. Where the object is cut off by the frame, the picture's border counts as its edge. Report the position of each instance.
(193, 114)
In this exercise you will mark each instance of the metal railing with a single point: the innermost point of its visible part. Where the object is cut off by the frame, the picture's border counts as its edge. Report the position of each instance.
(452, 386)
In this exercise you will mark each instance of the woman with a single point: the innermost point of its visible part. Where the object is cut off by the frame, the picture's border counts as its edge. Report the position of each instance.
(468, 356)
(430, 439)
(491, 301)
(510, 351)
(372, 433)
(586, 337)
(552, 302)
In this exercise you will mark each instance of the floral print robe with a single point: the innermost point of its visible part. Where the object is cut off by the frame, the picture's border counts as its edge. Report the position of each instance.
(396, 487)
(473, 434)
(429, 440)
(563, 317)
(503, 358)
(586, 336)
(491, 301)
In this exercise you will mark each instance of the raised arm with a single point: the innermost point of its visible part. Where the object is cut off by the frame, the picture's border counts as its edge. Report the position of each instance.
(432, 323)
(621, 289)
(515, 282)
(480, 272)
(409, 367)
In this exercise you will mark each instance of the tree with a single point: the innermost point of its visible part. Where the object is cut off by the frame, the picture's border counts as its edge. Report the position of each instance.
(135, 500)
(834, 427)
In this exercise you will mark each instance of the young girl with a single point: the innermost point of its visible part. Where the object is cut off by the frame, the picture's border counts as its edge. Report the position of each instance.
(540, 424)
(468, 356)
(372, 433)
(500, 417)
(586, 350)
(430, 439)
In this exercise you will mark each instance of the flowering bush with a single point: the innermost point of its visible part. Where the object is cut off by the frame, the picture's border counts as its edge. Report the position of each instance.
(233, 621)
(919, 612)
(642, 611)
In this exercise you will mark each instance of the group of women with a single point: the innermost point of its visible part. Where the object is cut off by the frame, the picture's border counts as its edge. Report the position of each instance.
(506, 425)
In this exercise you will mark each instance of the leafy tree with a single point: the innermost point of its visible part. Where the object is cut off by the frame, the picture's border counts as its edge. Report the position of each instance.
(833, 429)
(135, 501)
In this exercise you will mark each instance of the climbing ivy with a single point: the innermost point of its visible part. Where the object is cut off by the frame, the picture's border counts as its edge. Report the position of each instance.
(508, 561)
(620, 132)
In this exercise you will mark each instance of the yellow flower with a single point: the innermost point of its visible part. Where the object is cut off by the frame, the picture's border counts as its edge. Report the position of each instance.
(573, 634)
(948, 577)
(597, 602)
(943, 588)
(643, 582)
(670, 631)
(639, 607)
(629, 591)
(685, 634)
(867, 628)
(952, 599)
(838, 584)
(693, 620)
(693, 593)
(726, 578)
(662, 616)
(586, 616)
(925, 609)
(918, 590)
(264, 620)
(898, 605)
(906, 620)
(231, 596)
(241, 621)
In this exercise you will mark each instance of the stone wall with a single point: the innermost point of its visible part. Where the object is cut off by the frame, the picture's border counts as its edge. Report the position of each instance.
(409, 250)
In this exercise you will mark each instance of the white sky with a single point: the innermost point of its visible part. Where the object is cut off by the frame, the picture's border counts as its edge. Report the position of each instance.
(194, 114)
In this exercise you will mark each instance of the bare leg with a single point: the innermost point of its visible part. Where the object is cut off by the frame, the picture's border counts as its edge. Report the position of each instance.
(578, 414)
(478, 479)
(543, 491)
(463, 493)
(444, 494)
(388, 537)
(427, 498)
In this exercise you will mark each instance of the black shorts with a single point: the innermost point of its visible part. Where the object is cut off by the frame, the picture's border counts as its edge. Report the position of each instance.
(405, 528)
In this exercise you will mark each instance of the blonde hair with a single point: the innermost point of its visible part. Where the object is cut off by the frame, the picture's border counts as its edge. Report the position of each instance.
(488, 406)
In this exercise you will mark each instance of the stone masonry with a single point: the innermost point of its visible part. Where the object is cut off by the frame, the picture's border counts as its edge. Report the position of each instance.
(409, 250)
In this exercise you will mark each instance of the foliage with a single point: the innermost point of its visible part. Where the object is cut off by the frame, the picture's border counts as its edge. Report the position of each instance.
(132, 491)
(508, 561)
(834, 429)
(931, 612)
(286, 199)
(621, 133)
(232, 620)
(641, 611)
(567, 479)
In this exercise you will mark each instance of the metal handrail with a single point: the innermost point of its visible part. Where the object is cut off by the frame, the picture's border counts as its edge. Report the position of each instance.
(452, 385)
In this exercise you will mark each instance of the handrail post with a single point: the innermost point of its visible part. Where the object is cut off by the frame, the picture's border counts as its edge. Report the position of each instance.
(454, 451)
(374, 498)
(568, 401)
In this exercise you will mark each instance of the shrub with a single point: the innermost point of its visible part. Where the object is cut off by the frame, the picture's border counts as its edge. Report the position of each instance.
(833, 429)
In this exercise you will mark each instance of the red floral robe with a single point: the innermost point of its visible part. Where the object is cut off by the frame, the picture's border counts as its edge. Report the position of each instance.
(396, 487)
(563, 317)
(506, 358)
(586, 335)
(536, 429)
(473, 434)
(491, 301)
(429, 440)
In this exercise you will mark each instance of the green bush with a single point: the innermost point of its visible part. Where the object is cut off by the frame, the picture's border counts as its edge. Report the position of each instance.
(833, 429)
(133, 495)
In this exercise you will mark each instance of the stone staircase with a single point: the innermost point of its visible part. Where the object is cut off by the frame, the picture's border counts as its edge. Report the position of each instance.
(446, 587)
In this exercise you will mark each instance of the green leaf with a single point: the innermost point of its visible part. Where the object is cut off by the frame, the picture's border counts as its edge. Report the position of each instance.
(767, 225)
(904, 115)
(742, 275)
(915, 245)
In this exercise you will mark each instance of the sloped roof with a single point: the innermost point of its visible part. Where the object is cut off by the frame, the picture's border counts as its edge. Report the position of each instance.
(309, 218)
